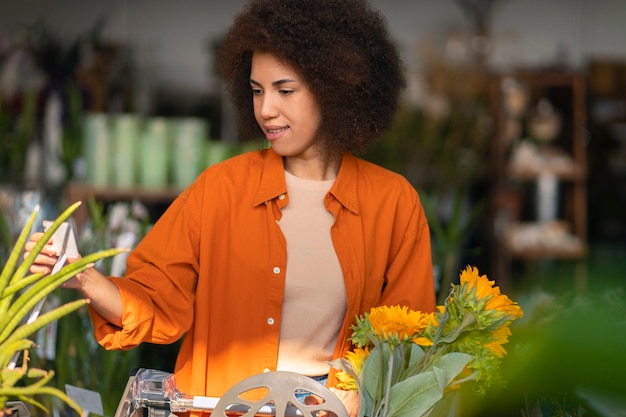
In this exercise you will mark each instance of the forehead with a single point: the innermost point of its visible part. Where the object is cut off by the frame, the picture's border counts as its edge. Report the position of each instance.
(267, 65)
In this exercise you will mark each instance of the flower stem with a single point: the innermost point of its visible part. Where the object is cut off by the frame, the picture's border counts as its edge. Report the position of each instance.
(388, 387)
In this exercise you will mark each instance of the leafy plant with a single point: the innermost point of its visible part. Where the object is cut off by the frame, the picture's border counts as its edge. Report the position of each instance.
(17, 127)
(20, 292)
(5, 236)
(449, 235)
(84, 362)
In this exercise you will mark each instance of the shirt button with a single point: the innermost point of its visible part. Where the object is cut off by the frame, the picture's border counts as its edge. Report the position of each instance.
(276, 270)
(270, 321)
(281, 197)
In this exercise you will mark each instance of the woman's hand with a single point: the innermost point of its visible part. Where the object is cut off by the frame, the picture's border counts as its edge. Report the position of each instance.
(350, 400)
(103, 294)
(47, 258)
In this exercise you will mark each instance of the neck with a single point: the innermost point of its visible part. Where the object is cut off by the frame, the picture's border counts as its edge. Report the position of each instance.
(314, 169)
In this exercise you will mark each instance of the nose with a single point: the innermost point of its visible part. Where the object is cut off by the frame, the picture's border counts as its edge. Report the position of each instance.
(267, 106)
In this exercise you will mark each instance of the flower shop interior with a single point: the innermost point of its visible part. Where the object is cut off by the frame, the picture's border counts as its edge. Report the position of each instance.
(512, 128)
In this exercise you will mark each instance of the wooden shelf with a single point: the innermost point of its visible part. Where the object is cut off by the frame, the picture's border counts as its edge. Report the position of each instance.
(539, 253)
(518, 161)
(82, 191)
(547, 160)
(571, 174)
(535, 240)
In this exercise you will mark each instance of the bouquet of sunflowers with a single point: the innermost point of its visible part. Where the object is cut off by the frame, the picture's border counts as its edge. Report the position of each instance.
(410, 363)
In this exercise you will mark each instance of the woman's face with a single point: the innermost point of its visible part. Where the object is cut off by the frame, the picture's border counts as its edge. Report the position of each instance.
(284, 107)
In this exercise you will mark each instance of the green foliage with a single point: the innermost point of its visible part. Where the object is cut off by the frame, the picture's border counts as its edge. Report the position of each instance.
(435, 152)
(449, 236)
(5, 236)
(72, 135)
(569, 357)
(16, 131)
(19, 293)
(84, 362)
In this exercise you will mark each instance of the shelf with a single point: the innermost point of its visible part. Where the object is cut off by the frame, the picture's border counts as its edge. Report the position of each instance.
(81, 192)
(116, 193)
(539, 253)
(529, 162)
(539, 128)
(534, 240)
(570, 174)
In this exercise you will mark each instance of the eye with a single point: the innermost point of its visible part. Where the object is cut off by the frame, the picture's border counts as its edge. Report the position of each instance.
(286, 92)
(256, 91)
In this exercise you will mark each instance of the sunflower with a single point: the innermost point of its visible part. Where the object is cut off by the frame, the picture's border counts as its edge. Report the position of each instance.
(356, 358)
(500, 338)
(478, 294)
(396, 324)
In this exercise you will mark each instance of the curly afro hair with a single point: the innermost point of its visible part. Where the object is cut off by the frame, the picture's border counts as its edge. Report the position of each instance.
(342, 49)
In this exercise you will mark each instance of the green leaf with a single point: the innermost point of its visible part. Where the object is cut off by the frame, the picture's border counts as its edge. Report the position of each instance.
(9, 377)
(449, 366)
(415, 395)
(39, 290)
(23, 283)
(9, 267)
(419, 393)
(6, 353)
(366, 404)
(417, 355)
(30, 391)
(394, 359)
(371, 374)
(448, 406)
(20, 272)
(27, 329)
(342, 364)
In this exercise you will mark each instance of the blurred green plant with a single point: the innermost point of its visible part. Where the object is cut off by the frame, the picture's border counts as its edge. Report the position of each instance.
(434, 153)
(20, 292)
(5, 237)
(439, 142)
(450, 235)
(84, 363)
(72, 135)
(16, 133)
(569, 357)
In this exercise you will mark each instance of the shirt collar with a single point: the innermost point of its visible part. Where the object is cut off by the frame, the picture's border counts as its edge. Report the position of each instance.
(345, 187)
(272, 183)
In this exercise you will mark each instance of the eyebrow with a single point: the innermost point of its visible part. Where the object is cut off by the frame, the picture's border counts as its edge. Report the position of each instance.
(274, 83)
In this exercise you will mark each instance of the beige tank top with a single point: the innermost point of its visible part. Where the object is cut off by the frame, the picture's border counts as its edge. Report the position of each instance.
(315, 297)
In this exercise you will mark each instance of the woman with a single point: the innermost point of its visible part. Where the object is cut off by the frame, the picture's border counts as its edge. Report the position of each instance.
(266, 259)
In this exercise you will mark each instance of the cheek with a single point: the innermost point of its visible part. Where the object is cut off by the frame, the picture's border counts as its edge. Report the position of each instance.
(255, 110)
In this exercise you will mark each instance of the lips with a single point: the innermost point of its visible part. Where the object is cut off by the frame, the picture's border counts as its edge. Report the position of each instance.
(275, 132)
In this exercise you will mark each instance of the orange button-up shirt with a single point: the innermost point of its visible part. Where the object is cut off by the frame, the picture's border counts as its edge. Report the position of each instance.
(213, 266)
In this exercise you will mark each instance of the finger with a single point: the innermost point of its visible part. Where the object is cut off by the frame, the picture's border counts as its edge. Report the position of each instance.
(36, 237)
(72, 259)
(37, 268)
(311, 400)
(48, 248)
(42, 258)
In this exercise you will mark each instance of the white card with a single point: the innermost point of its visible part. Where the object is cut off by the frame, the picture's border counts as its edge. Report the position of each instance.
(89, 401)
(71, 250)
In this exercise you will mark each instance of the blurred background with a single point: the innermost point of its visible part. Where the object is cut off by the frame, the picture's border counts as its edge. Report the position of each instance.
(512, 128)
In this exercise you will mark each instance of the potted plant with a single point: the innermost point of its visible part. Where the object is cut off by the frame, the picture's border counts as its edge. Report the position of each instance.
(20, 292)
